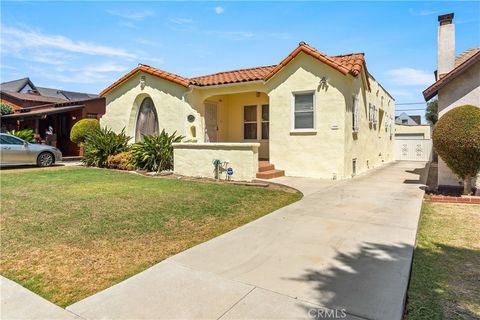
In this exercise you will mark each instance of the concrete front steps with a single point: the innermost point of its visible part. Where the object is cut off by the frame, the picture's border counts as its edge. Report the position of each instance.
(266, 170)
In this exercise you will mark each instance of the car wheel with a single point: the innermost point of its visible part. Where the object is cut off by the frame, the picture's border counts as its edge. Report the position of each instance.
(45, 159)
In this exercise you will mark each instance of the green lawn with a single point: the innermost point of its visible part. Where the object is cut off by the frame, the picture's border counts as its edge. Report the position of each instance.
(445, 282)
(69, 232)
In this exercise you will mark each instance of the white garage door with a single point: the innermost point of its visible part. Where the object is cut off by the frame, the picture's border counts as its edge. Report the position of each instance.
(413, 150)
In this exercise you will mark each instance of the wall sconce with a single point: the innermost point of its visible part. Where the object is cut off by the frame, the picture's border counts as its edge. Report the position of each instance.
(323, 83)
(142, 82)
(74, 118)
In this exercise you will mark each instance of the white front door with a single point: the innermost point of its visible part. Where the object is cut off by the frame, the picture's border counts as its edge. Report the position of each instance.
(211, 125)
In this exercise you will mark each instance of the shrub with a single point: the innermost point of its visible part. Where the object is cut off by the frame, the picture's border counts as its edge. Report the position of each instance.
(102, 143)
(155, 153)
(25, 134)
(122, 161)
(5, 109)
(82, 129)
(456, 139)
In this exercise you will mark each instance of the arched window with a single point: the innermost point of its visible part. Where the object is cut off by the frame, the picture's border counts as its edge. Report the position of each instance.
(147, 120)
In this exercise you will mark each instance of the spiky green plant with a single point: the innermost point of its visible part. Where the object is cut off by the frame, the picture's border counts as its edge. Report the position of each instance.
(25, 134)
(103, 143)
(155, 153)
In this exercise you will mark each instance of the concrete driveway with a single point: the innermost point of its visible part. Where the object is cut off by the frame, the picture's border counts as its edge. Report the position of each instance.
(346, 246)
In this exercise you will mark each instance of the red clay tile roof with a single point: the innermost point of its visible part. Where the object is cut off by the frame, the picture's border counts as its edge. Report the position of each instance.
(234, 76)
(431, 91)
(345, 64)
(465, 55)
(150, 70)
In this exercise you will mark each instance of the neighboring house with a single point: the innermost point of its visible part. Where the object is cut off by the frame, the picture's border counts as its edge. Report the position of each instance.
(406, 119)
(38, 108)
(409, 127)
(311, 115)
(457, 83)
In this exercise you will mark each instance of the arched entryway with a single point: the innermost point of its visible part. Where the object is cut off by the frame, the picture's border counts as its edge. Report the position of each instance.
(147, 120)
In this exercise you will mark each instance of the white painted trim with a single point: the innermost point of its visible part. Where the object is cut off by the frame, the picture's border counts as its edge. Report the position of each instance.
(292, 112)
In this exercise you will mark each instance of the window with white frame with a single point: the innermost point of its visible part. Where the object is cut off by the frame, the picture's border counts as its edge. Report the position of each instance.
(265, 122)
(250, 122)
(303, 111)
(355, 114)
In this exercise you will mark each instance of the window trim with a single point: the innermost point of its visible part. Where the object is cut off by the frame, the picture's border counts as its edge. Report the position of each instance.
(292, 124)
(262, 121)
(250, 122)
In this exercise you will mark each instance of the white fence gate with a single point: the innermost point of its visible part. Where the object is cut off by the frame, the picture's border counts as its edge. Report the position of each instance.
(413, 150)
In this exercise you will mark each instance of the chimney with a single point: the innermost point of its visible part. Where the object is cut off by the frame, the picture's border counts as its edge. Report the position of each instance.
(446, 45)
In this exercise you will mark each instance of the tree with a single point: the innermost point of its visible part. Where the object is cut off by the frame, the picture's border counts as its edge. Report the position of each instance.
(456, 139)
(432, 112)
(82, 129)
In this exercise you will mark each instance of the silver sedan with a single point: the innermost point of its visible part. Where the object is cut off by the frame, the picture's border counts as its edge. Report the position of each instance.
(15, 151)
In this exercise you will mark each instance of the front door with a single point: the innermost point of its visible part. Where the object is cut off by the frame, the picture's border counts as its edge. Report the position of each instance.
(211, 125)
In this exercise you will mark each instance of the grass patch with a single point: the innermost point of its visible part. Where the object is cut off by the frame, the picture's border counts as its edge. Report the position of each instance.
(67, 233)
(445, 281)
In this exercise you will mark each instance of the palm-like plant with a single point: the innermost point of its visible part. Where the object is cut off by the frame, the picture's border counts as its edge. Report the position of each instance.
(155, 153)
(102, 143)
(25, 134)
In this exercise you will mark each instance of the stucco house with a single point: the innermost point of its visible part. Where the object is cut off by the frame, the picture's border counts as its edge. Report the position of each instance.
(311, 115)
(457, 83)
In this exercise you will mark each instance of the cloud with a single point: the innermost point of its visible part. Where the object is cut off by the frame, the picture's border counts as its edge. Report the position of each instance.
(132, 15)
(411, 77)
(424, 12)
(89, 74)
(148, 42)
(18, 40)
(219, 10)
(247, 35)
(128, 24)
(181, 21)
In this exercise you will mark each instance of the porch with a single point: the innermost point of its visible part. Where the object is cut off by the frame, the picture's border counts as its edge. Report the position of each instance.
(235, 132)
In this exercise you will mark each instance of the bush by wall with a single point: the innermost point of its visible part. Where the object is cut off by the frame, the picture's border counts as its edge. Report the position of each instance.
(102, 143)
(155, 153)
(121, 161)
(82, 129)
(456, 139)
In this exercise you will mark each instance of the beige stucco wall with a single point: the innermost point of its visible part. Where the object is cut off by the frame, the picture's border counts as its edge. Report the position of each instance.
(373, 144)
(465, 89)
(124, 101)
(314, 153)
(195, 159)
(424, 130)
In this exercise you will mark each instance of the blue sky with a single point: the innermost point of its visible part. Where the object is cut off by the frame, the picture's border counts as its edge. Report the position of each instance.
(85, 46)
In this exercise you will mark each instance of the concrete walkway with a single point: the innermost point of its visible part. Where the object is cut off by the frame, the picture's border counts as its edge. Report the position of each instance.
(16, 302)
(347, 246)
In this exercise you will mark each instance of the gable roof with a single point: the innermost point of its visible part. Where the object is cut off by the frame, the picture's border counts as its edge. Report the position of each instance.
(468, 58)
(17, 85)
(149, 70)
(345, 64)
